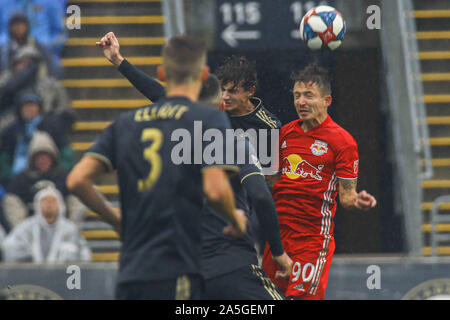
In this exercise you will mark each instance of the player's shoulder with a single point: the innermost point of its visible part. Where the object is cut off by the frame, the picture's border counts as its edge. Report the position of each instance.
(124, 117)
(338, 134)
(212, 117)
(243, 142)
(206, 110)
(264, 115)
(290, 126)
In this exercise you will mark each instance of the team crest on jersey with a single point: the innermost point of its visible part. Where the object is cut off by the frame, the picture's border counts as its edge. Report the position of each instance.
(319, 148)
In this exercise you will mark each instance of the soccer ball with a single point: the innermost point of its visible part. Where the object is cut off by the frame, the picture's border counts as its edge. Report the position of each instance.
(322, 27)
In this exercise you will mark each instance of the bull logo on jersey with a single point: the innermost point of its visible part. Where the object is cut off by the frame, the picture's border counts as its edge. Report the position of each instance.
(295, 166)
(318, 148)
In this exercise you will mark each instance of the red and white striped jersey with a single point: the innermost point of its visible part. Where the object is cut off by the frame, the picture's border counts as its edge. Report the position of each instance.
(311, 163)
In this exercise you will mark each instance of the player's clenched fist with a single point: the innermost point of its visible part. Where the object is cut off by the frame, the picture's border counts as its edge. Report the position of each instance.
(365, 201)
(111, 48)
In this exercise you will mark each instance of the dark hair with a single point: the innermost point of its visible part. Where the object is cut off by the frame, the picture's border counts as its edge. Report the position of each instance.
(183, 58)
(18, 16)
(210, 90)
(238, 70)
(316, 74)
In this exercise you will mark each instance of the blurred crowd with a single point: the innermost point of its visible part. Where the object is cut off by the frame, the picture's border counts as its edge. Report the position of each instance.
(38, 216)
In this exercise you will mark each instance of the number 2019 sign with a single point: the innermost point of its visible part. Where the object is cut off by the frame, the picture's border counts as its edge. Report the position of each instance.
(261, 24)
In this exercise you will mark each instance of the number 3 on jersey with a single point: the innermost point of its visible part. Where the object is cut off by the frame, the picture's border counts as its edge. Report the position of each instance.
(152, 156)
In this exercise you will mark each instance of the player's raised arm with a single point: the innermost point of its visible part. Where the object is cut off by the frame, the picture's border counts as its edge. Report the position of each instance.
(218, 190)
(80, 183)
(350, 199)
(148, 86)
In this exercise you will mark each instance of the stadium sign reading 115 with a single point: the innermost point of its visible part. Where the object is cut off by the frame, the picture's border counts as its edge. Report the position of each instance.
(261, 24)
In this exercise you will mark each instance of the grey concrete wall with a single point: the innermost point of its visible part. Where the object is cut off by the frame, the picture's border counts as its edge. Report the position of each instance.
(365, 278)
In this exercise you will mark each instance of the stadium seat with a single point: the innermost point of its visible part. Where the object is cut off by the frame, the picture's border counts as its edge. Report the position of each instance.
(434, 55)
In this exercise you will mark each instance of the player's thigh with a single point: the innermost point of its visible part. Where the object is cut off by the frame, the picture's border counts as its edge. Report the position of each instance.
(309, 276)
(246, 283)
(186, 287)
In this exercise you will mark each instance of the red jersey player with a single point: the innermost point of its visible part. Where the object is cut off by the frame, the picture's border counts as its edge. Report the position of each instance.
(318, 161)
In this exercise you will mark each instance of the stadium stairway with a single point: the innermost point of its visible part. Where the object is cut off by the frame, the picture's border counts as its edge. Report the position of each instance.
(99, 92)
(433, 36)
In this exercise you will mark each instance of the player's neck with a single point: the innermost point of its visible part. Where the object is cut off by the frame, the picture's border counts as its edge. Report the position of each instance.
(190, 91)
(312, 123)
(244, 109)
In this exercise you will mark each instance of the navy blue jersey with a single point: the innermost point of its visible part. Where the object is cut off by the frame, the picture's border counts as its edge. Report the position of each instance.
(161, 199)
(260, 119)
(220, 253)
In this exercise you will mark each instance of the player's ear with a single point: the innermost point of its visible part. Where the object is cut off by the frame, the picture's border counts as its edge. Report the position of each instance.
(252, 91)
(328, 100)
(205, 73)
(161, 73)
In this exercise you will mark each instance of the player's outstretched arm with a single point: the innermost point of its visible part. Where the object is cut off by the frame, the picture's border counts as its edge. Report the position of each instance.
(216, 187)
(148, 86)
(80, 183)
(261, 200)
(350, 199)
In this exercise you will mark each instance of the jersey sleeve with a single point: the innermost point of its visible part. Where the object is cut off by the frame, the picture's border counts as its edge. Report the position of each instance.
(103, 148)
(252, 165)
(148, 86)
(347, 160)
(277, 155)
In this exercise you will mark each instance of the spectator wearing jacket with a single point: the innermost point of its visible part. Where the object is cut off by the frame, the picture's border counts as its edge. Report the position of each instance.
(15, 139)
(29, 74)
(47, 236)
(43, 170)
(20, 37)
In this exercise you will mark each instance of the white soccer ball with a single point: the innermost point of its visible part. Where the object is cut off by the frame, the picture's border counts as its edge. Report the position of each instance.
(322, 27)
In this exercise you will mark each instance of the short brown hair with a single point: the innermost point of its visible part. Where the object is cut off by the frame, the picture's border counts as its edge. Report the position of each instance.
(316, 74)
(239, 71)
(183, 58)
(211, 92)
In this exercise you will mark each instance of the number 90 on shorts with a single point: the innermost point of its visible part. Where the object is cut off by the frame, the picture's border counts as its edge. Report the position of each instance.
(306, 273)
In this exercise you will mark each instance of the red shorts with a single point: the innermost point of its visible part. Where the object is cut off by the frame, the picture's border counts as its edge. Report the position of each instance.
(311, 256)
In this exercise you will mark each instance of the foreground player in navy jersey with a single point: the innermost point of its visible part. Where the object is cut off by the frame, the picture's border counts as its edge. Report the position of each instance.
(161, 202)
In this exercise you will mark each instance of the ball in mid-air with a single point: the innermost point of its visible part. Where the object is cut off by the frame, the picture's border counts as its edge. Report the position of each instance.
(322, 27)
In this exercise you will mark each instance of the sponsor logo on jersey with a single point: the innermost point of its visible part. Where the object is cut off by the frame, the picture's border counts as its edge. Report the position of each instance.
(295, 166)
(319, 148)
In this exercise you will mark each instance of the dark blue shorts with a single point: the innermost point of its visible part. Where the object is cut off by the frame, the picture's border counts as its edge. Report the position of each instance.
(246, 283)
(186, 287)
